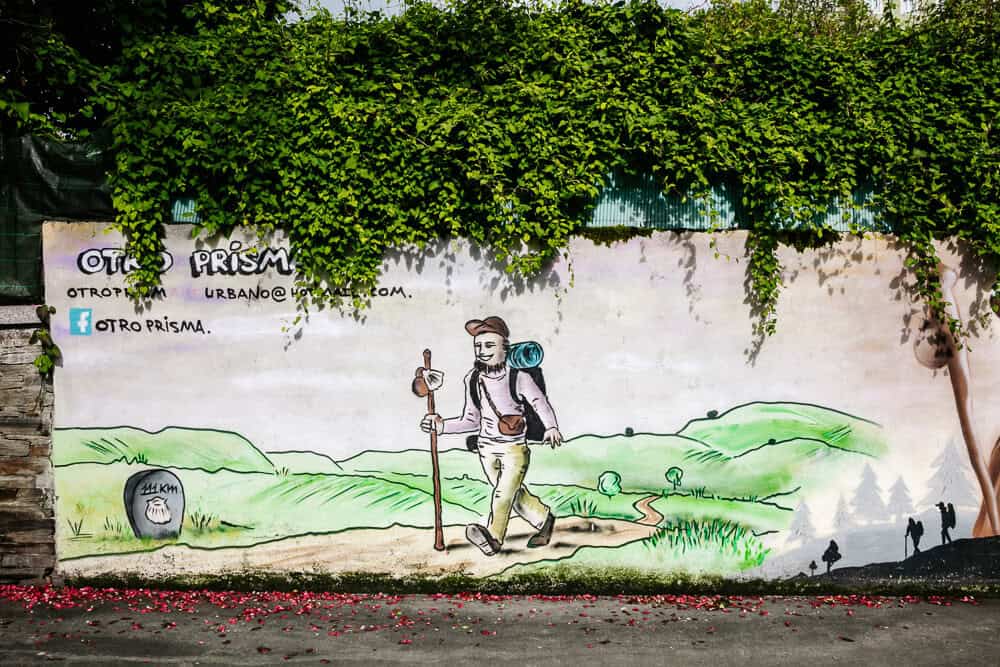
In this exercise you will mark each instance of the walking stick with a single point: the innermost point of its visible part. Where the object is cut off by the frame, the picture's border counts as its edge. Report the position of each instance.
(435, 473)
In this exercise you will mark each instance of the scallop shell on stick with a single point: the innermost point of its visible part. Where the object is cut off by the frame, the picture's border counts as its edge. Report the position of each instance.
(426, 380)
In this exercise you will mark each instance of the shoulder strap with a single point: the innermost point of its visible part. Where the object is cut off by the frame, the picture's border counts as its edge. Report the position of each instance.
(513, 384)
(489, 399)
(474, 390)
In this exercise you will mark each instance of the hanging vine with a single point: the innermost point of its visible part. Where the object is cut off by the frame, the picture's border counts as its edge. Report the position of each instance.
(499, 121)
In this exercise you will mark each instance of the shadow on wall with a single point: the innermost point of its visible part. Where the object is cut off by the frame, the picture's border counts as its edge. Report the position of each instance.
(493, 277)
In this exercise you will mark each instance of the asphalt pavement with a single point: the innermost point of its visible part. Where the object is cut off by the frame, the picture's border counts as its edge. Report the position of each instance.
(100, 627)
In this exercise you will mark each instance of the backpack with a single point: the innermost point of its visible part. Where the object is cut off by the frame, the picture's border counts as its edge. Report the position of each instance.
(949, 519)
(918, 530)
(533, 423)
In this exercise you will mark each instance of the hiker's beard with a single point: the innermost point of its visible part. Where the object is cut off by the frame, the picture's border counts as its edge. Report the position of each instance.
(491, 369)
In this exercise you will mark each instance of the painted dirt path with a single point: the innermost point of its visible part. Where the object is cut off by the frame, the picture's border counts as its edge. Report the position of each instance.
(650, 517)
(397, 550)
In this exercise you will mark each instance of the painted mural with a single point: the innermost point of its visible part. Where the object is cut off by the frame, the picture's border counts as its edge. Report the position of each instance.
(612, 413)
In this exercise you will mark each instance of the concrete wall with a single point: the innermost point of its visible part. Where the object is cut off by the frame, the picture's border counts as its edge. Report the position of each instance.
(27, 525)
(209, 432)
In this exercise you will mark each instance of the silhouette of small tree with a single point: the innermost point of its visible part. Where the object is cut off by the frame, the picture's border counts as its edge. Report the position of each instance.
(674, 476)
(629, 432)
(812, 568)
(831, 555)
(609, 483)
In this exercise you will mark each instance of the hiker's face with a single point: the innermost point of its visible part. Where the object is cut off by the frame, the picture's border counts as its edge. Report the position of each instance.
(490, 349)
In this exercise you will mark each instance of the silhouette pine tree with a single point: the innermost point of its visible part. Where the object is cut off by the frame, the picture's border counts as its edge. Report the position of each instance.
(951, 479)
(900, 503)
(867, 501)
(842, 516)
(802, 528)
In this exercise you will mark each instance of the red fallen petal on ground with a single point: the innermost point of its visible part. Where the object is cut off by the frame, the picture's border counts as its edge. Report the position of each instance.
(263, 649)
(405, 641)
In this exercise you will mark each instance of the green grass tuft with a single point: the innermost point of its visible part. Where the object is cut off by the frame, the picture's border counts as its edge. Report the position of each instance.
(718, 535)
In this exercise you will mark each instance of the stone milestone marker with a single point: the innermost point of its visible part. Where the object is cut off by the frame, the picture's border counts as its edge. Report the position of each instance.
(154, 502)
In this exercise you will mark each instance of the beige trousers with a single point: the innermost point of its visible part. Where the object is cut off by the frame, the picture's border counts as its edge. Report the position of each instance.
(505, 466)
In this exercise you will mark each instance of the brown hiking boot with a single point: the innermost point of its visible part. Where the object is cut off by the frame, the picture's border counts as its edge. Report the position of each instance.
(544, 534)
(481, 537)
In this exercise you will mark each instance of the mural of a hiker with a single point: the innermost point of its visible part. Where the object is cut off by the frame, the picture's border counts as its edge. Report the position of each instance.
(506, 405)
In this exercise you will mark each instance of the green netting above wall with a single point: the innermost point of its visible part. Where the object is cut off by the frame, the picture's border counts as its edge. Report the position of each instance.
(638, 201)
(44, 179)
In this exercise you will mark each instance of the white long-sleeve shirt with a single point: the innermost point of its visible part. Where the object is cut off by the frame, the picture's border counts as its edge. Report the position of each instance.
(486, 421)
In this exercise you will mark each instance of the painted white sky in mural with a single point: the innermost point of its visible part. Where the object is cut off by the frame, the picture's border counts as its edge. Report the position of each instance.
(651, 334)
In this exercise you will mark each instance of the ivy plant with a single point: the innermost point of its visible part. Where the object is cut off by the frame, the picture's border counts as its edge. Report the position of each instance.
(499, 121)
(51, 355)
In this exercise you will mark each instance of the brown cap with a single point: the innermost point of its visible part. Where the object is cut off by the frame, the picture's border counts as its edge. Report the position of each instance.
(491, 324)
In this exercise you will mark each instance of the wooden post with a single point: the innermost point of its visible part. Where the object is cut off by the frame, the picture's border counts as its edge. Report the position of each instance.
(435, 472)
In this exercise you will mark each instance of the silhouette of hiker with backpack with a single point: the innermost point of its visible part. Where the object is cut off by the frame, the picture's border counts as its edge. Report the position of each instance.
(914, 531)
(947, 521)
(831, 555)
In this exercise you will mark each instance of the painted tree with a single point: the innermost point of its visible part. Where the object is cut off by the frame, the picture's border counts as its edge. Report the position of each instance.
(900, 503)
(867, 501)
(950, 482)
(609, 483)
(802, 527)
(936, 347)
(842, 516)
(674, 476)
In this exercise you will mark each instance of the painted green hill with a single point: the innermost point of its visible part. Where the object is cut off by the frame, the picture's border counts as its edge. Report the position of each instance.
(204, 449)
(453, 463)
(758, 425)
(755, 451)
(304, 462)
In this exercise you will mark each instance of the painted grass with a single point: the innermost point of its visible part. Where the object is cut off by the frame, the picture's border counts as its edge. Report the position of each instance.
(730, 470)
(679, 549)
(715, 535)
(235, 509)
(577, 501)
(756, 516)
(171, 447)
(472, 494)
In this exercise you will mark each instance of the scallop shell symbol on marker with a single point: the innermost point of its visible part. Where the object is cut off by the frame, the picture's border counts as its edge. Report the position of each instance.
(157, 510)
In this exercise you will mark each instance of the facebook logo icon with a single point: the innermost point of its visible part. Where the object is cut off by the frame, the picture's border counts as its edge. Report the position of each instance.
(80, 321)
